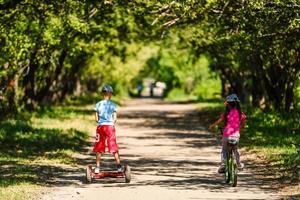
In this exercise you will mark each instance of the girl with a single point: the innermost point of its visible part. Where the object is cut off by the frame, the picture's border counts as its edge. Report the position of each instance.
(233, 118)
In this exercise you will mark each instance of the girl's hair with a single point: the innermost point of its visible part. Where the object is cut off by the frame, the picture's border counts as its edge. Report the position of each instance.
(231, 105)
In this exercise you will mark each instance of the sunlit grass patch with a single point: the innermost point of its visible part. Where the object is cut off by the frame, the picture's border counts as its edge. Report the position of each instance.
(80, 118)
(61, 156)
(63, 112)
(20, 191)
(32, 150)
(18, 179)
(29, 141)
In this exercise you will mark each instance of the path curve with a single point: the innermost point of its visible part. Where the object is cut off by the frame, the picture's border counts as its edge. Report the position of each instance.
(171, 155)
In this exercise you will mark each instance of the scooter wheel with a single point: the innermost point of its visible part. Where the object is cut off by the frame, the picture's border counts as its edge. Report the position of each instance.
(88, 175)
(127, 173)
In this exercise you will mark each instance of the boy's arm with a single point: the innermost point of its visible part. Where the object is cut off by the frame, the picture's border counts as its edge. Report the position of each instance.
(96, 116)
(216, 123)
(114, 116)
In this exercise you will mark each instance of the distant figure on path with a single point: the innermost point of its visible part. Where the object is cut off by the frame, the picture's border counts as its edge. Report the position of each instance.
(152, 86)
(139, 89)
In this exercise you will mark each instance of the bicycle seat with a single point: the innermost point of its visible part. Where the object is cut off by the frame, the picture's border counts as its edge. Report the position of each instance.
(233, 140)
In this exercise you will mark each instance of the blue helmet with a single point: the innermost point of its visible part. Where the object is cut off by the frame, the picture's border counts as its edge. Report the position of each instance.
(232, 98)
(107, 89)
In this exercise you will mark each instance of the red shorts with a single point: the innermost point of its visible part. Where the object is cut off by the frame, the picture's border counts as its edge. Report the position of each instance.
(106, 133)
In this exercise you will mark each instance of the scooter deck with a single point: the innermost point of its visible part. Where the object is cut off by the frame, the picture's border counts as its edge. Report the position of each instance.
(90, 175)
(108, 174)
(103, 174)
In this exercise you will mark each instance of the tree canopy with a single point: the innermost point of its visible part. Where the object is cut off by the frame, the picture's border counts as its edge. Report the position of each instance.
(52, 49)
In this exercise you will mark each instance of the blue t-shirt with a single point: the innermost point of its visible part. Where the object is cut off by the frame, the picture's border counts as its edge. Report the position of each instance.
(105, 109)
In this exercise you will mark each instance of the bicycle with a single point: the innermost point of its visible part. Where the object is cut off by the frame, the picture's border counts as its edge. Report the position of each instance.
(231, 167)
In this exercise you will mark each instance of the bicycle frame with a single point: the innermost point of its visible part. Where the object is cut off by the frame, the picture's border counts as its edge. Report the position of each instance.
(231, 165)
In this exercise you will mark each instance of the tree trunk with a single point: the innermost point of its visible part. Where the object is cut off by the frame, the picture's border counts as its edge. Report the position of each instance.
(234, 82)
(225, 85)
(258, 99)
(71, 78)
(289, 96)
(29, 82)
(45, 94)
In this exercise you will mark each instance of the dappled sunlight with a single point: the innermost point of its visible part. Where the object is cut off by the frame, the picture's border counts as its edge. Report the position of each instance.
(36, 141)
(66, 124)
(175, 57)
(167, 149)
(80, 118)
(166, 145)
(33, 154)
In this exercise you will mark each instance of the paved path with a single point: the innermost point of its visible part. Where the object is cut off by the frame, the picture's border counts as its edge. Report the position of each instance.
(171, 155)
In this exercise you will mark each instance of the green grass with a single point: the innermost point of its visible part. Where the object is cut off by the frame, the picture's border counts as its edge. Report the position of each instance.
(35, 144)
(274, 134)
(92, 99)
(269, 134)
(19, 191)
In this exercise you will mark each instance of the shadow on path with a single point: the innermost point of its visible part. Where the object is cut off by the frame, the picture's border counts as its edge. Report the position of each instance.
(166, 146)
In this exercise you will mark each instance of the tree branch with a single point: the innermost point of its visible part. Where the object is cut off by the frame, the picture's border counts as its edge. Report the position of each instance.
(10, 4)
(170, 23)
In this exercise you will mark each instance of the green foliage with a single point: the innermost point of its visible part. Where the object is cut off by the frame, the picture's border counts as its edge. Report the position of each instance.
(60, 48)
(209, 85)
(273, 128)
(276, 135)
(33, 149)
(184, 74)
(297, 93)
(55, 48)
(252, 45)
(178, 95)
(19, 139)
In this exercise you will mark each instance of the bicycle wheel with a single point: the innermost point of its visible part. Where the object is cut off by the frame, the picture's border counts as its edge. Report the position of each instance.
(227, 170)
(233, 167)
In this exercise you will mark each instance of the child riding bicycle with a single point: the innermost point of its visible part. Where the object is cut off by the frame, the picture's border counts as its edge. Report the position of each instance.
(233, 119)
(106, 117)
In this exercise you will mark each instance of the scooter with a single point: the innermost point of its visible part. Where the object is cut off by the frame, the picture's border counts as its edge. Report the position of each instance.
(91, 175)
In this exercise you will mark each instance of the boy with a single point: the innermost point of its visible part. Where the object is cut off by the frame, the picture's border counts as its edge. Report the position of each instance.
(106, 117)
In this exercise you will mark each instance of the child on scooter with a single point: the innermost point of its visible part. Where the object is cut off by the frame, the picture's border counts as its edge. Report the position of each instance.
(233, 119)
(106, 117)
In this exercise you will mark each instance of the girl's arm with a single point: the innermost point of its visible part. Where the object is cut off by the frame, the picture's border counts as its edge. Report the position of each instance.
(243, 120)
(216, 123)
(243, 125)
